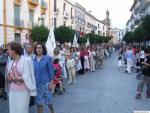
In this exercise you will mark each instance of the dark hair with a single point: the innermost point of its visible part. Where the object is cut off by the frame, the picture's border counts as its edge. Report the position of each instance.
(15, 46)
(43, 48)
(120, 58)
(147, 50)
(143, 48)
(56, 61)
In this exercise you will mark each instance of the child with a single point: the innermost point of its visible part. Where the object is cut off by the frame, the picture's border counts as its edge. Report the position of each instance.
(57, 78)
(71, 69)
(120, 62)
(86, 61)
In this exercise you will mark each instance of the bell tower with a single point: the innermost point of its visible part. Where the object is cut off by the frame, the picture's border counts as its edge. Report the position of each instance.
(108, 23)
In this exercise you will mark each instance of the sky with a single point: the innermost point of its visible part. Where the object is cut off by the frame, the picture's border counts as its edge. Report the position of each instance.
(119, 10)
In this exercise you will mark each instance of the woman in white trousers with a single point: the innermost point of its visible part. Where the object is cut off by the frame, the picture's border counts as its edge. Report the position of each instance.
(20, 80)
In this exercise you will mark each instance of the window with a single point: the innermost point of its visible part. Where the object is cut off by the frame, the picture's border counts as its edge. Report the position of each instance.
(18, 37)
(55, 22)
(103, 28)
(64, 7)
(42, 21)
(17, 15)
(64, 23)
(98, 26)
(31, 17)
(55, 5)
(71, 13)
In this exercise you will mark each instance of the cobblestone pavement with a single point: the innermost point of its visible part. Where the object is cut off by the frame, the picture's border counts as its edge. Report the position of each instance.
(105, 91)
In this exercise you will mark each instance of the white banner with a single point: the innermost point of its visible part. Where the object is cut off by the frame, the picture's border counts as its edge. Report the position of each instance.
(51, 43)
(75, 43)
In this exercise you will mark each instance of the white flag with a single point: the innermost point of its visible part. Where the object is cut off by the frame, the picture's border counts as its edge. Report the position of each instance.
(75, 43)
(88, 42)
(51, 43)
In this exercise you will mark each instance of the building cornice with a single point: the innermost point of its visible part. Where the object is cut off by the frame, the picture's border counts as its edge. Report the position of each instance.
(70, 2)
(80, 6)
(133, 5)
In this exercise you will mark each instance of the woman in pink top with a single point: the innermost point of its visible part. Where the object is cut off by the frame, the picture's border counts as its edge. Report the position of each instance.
(20, 79)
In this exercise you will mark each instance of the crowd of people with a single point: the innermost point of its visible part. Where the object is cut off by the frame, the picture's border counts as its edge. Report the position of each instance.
(28, 73)
(136, 59)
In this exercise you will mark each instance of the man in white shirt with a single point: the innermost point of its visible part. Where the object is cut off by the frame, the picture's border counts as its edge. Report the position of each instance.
(129, 58)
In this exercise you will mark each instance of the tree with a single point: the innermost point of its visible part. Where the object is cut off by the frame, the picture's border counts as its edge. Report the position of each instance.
(138, 34)
(64, 34)
(94, 39)
(107, 39)
(39, 33)
(82, 40)
(99, 39)
(146, 27)
(129, 37)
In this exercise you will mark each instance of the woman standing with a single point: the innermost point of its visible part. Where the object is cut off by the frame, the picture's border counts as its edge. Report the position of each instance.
(86, 61)
(20, 81)
(44, 74)
(77, 59)
(92, 60)
(82, 54)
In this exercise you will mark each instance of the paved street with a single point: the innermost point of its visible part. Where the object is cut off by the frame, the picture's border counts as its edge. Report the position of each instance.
(104, 91)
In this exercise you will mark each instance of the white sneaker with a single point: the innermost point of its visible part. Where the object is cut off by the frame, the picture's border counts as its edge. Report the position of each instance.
(69, 83)
(75, 82)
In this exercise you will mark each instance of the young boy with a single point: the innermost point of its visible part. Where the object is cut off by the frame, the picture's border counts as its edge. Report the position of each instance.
(71, 69)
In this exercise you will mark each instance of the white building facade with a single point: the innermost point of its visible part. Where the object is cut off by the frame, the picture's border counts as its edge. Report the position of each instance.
(139, 9)
(62, 13)
(19, 16)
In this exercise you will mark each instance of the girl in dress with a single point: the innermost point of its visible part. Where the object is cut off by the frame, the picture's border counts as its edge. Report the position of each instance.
(86, 62)
(57, 78)
(92, 60)
(120, 62)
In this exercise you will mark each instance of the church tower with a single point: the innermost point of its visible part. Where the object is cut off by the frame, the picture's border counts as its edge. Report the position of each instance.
(108, 23)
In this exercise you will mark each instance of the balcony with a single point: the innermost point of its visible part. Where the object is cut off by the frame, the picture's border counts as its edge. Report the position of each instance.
(30, 25)
(66, 15)
(56, 13)
(17, 2)
(144, 4)
(43, 7)
(18, 23)
(32, 4)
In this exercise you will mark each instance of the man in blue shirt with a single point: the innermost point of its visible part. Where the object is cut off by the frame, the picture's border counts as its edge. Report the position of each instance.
(129, 58)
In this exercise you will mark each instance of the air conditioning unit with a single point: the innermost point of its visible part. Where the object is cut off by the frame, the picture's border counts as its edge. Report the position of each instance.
(66, 15)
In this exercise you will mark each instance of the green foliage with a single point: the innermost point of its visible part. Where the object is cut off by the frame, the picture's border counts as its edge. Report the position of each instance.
(82, 40)
(146, 27)
(129, 37)
(39, 33)
(141, 33)
(138, 34)
(94, 39)
(64, 34)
